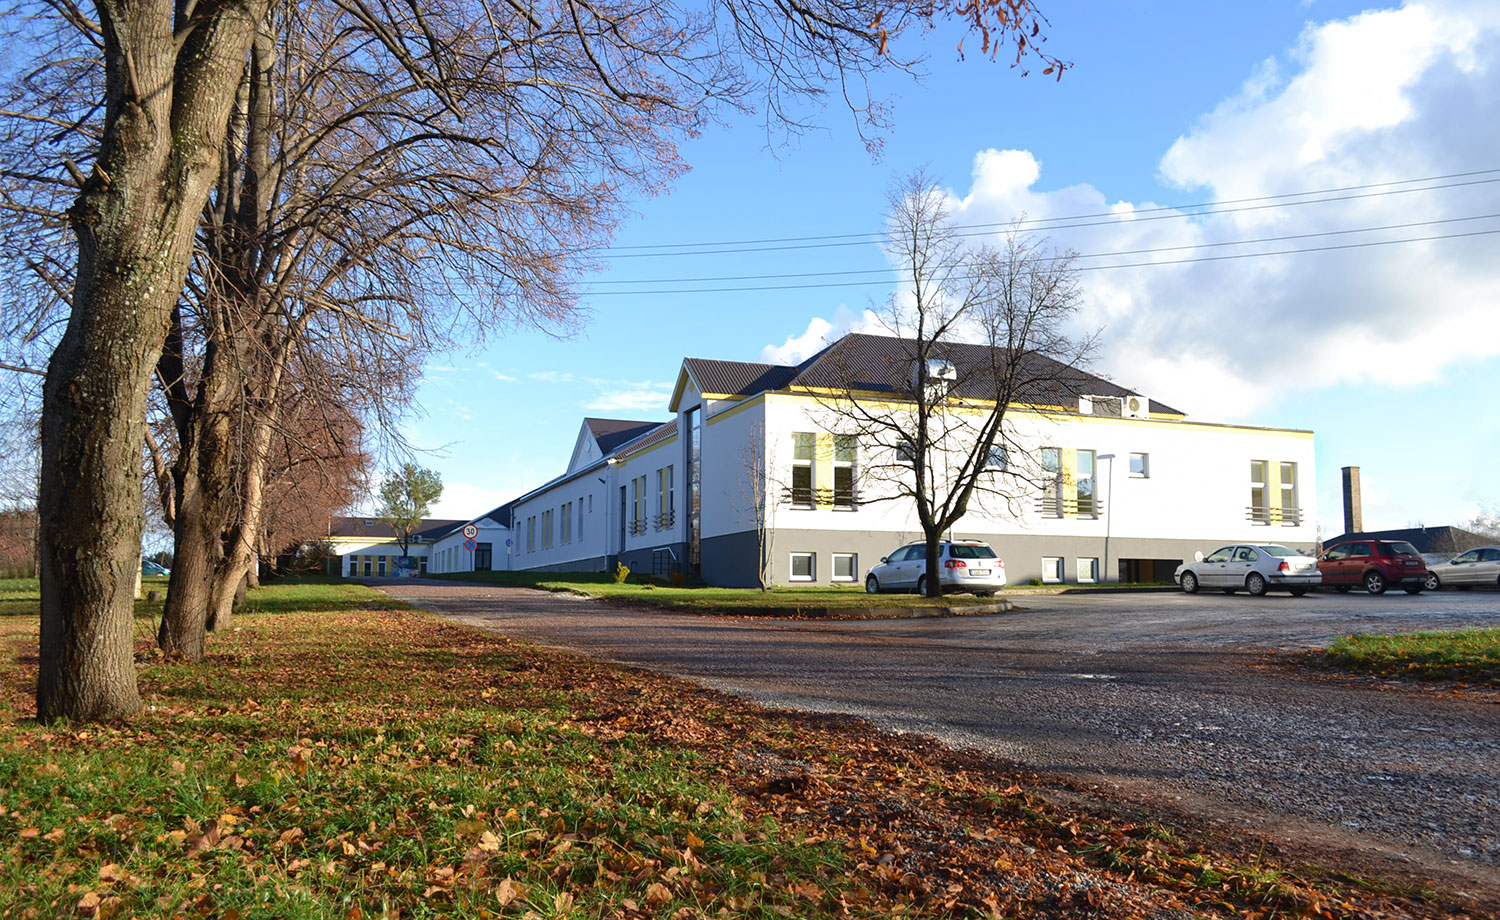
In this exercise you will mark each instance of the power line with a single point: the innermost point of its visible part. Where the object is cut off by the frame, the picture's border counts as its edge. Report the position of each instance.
(1087, 268)
(1092, 255)
(1176, 211)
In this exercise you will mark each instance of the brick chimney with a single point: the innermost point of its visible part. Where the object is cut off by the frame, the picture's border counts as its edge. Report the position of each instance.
(1354, 521)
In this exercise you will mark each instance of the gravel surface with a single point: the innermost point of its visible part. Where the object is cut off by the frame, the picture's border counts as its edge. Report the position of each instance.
(1165, 699)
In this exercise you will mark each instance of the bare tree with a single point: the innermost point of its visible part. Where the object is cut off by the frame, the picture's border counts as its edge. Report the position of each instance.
(978, 331)
(583, 98)
(761, 492)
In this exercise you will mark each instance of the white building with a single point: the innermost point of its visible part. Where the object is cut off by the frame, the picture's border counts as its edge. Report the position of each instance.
(1106, 484)
(361, 547)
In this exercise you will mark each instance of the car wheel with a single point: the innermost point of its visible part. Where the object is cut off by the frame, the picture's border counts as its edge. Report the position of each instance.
(1412, 589)
(872, 586)
(1298, 592)
(1374, 583)
(1342, 589)
(1255, 583)
(922, 586)
(1432, 582)
(1189, 583)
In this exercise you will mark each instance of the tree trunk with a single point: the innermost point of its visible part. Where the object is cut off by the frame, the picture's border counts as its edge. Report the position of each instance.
(934, 565)
(239, 554)
(166, 103)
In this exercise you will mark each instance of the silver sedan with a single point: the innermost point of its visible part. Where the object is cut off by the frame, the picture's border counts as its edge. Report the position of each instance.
(1253, 567)
(1478, 566)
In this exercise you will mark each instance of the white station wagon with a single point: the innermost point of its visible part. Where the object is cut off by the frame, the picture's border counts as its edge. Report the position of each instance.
(967, 565)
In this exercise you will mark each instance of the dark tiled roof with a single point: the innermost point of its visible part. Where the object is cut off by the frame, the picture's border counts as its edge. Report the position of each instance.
(664, 431)
(376, 529)
(883, 364)
(610, 433)
(738, 378)
(1452, 540)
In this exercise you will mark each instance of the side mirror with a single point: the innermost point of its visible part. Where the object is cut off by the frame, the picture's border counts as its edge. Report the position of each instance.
(1198, 556)
(885, 558)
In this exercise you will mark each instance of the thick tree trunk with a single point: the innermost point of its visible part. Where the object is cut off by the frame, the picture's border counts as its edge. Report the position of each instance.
(167, 101)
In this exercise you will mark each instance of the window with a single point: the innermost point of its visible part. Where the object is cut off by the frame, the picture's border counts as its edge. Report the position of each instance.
(970, 551)
(804, 566)
(1260, 505)
(483, 556)
(1140, 466)
(804, 444)
(906, 452)
(580, 515)
(1052, 570)
(353, 566)
(1246, 554)
(380, 565)
(1052, 483)
(1087, 506)
(531, 534)
(1088, 570)
(367, 565)
(844, 450)
(845, 567)
(998, 461)
(1290, 516)
(1220, 555)
(567, 522)
(547, 529)
(638, 506)
(665, 499)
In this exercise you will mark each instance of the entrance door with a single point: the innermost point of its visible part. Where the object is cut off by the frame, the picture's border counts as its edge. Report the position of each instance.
(482, 553)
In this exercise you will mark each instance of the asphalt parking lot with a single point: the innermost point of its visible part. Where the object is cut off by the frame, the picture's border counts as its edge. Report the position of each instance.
(1165, 699)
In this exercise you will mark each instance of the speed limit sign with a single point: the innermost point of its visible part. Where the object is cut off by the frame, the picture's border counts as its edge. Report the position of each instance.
(471, 531)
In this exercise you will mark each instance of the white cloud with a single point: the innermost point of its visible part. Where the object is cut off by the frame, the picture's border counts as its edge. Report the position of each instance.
(819, 334)
(503, 378)
(1379, 97)
(552, 376)
(463, 500)
(651, 398)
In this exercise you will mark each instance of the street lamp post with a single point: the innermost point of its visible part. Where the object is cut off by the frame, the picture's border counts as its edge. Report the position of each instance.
(1108, 512)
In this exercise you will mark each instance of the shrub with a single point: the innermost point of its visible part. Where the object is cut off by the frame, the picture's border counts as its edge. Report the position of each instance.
(622, 572)
(679, 578)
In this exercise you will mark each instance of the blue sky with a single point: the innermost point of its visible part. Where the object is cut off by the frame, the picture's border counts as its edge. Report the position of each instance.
(1391, 354)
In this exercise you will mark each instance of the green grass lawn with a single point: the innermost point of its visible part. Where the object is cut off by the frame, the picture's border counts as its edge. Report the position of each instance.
(1470, 655)
(600, 585)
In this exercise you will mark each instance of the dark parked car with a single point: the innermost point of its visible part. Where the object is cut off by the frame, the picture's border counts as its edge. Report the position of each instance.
(1373, 565)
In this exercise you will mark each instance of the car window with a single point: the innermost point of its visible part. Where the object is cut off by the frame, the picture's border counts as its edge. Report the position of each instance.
(1338, 552)
(1358, 549)
(1245, 554)
(1275, 549)
(1220, 555)
(970, 551)
(914, 552)
(1471, 556)
(1489, 555)
(1401, 548)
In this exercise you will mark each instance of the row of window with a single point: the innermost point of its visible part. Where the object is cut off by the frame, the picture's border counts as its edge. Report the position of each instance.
(567, 513)
(1266, 506)
(1054, 567)
(804, 566)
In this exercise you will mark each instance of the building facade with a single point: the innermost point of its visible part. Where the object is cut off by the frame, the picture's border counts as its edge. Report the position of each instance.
(760, 469)
(367, 547)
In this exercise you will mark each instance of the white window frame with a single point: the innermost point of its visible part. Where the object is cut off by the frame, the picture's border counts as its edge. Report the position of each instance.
(851, 465)
(1092, 479)
(1289, 514)
(997, 460)
(1145, 472)
(853, 567)
(810, 463)
(1260, 513)
(812, 567)
(1053, 568)
(1052, 486)
(567, 523)
(1088, 570)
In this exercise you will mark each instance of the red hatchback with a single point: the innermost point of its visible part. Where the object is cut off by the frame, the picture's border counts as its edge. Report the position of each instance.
(1373, 565)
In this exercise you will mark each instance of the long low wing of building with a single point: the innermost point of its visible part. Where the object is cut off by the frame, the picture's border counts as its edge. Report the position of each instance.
(777, 472)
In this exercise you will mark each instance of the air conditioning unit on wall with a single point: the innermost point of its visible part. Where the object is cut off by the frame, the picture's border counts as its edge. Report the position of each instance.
(1136, 407)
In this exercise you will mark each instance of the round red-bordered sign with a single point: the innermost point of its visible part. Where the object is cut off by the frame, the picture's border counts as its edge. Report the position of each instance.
(470, 545)
(471, 531)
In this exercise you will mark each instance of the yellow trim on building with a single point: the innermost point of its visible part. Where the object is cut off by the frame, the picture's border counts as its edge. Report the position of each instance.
(739, 407)
(1067, 459)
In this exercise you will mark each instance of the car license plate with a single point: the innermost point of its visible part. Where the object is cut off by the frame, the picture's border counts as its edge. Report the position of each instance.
(979, 571)
(1411, 562)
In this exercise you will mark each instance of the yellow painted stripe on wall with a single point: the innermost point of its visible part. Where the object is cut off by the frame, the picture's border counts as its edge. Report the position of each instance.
(823, 470)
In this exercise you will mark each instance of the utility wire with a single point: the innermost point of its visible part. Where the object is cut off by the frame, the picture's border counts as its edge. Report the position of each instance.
(1176, 211)
(1086, 268)
(1059, 258)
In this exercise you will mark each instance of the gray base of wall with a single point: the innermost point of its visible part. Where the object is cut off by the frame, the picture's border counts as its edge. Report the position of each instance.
(730, 560)
(589, 564)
